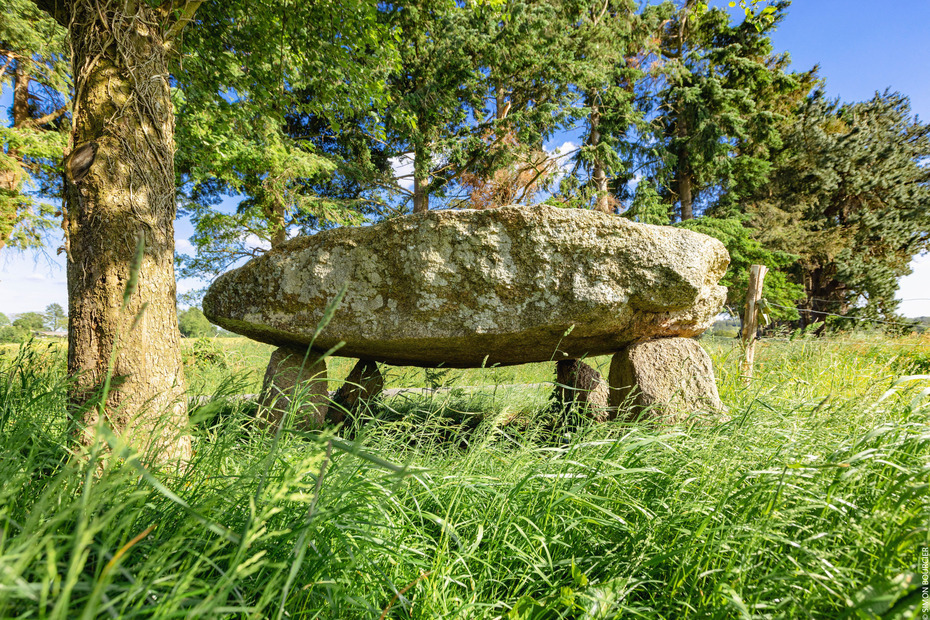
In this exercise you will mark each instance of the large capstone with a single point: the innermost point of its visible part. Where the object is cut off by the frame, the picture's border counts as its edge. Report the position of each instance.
(466, 288)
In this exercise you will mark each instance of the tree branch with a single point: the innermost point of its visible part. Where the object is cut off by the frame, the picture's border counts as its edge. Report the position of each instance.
(7, 65)
(48, 118)
(187, 14)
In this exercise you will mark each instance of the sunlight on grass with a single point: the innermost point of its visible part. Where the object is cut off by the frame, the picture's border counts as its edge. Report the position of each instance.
(812, 501)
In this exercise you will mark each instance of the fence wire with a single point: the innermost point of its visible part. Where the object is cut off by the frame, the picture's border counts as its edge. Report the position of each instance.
(913, 323)
(843, 316)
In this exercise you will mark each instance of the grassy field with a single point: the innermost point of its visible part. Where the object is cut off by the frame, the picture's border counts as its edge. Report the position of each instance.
(812, 501)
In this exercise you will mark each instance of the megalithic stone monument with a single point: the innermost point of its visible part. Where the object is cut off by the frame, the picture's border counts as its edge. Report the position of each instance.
(473, 288)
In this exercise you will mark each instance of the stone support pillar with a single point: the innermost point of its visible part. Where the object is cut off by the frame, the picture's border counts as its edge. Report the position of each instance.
(669, 379)
(363, 383)
(294, 376)
(579, 385)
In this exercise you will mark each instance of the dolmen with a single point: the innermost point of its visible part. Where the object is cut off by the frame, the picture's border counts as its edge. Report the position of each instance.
(479, 288)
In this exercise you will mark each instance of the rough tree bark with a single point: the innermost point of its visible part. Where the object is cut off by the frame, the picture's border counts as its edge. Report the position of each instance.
(501, 106)
(825, 295)
(683, 173)
(277, 215)
(20, 108)
(119, 187)
(420, 179)
(598, 172)
(10, 178)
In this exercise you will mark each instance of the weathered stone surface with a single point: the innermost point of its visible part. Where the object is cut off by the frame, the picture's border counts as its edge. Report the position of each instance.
(579, 385)
(673, 377)
(465, 288)
(289, 375)
(363, 383)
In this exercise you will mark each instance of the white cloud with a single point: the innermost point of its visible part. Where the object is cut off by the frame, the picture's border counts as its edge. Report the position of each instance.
(253, 242)
(564, 152)
(915, 288)
(562, 156)
(183, 246)
(633, 183)
(402, 165)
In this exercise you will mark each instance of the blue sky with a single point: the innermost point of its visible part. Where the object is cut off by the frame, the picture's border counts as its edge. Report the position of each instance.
(862, 46)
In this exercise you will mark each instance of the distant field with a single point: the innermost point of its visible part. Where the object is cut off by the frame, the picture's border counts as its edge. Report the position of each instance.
(812, 501)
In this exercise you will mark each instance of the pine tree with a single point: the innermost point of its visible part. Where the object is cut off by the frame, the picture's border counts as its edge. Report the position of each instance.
(433, 90)
(607, 45)
(850, 194)
(245, 96)
(722, 97)
(34, 57)
(522, 54)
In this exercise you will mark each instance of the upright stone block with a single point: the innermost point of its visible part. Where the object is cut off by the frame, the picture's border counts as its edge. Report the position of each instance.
(671, 378)
(293, 374)
(363, 383)
(579, 385)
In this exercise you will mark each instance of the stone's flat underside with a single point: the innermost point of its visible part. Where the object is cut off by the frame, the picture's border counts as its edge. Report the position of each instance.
(468, 288)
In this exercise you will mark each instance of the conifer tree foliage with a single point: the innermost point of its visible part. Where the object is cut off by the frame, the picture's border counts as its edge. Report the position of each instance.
(849, 194)
(723, 94)
(608, 45)
(260, 85)
(779, 290)
(497, 84)
(525, 98)
(722, 100)
(433, 90)
(34, 61)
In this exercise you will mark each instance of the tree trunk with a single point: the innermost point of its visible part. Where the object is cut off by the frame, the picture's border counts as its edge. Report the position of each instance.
(11, 178)
(120, 187)
(683, 173)
(598, 171)
(501, 106)
(684, 195)
(20, 109)
(277, 217)
(825, 296)
(420, 179)
(805, 309)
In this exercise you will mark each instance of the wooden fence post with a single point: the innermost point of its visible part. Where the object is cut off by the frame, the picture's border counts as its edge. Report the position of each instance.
(751, 318)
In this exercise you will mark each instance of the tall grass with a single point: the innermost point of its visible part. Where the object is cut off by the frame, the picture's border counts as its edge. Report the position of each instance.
(810, 502)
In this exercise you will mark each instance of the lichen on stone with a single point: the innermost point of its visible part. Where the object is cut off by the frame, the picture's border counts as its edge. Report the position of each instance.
(468, 287)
